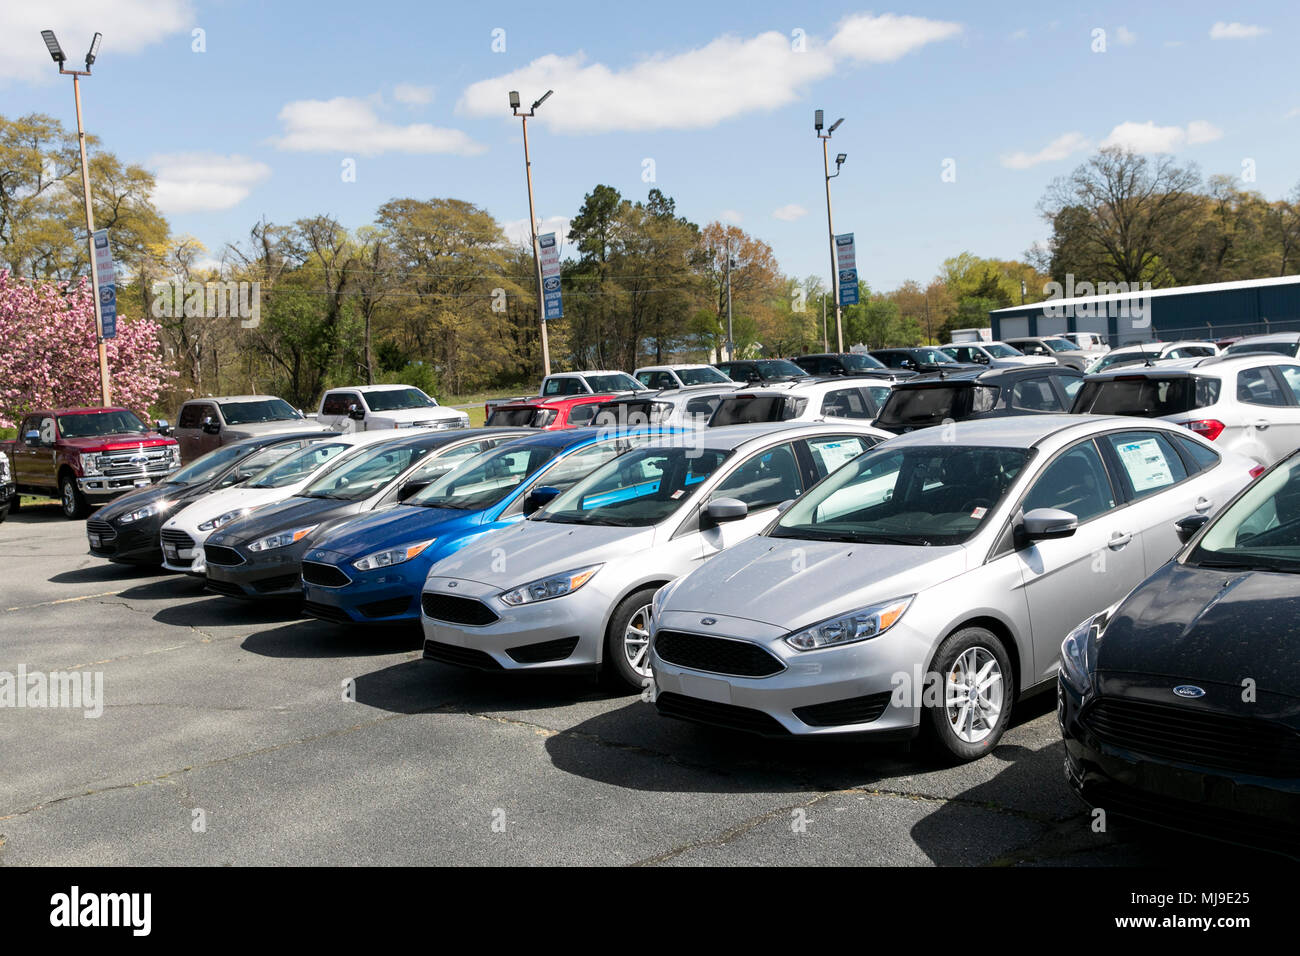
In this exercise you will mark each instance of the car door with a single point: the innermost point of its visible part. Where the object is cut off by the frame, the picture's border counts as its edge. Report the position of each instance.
(1270, 409)
(762, 480)
(1067, 579)
(1286, 418)
(188, 430)
(41, 455)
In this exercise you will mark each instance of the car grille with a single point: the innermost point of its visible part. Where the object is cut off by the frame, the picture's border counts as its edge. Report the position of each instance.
(854, 710)
(177, 538)
(326, 575)
(716, 655)
(326, 612)
(456, 610)
(222, 556)
(556, 650)
(460, 656)
(386, 608)
(157, 461)
(228, 588)
(106, 533)
(1215, 741)
(281, 582)
(719, 715)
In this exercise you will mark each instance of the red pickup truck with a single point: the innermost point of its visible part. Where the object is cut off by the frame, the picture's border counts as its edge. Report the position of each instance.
(86, 456)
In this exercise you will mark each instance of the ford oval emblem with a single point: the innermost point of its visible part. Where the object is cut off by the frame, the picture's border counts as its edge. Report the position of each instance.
(451, 584)
(1189, 690)
(708, 620)
(139, 459)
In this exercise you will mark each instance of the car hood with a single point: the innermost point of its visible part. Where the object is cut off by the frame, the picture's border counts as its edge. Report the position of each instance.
(228, 499)
(538, 549)
(256, 429)
(394, 527)
(757, 579)
(115, 442)
(293, 512)
(138, 498)
(435, 413)
(1205, 624)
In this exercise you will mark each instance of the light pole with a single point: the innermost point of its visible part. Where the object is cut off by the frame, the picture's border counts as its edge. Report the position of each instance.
(830, 222)
(532, 220)
(731, 340)
(56, 53)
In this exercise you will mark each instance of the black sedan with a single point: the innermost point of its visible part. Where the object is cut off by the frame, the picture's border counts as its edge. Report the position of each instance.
(126, 529)
(260, 555)
(1180, 706)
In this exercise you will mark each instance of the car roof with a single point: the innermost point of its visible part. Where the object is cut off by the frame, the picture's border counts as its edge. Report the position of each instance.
(1028, 431)
(1271, 337)
(86, 410)
(812, 385)
(728, 437)
(275, 438)
(675, 367)
(589, 371)
(1207, 363)
(368, 388)
(222, 399)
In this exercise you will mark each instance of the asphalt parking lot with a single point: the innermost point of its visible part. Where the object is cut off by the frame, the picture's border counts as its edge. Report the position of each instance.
(226, 738)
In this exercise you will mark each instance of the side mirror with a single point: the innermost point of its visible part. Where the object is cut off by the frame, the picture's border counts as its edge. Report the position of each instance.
(541, 497)
(725, 509)
(1186, 528)
(784, 506)
(163, 426)
(32, 437)
(410, 488)
(211, 425)
(356, 413)
(1046, 523)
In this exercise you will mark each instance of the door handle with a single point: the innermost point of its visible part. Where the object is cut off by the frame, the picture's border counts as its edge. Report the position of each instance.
(1119, 540)
(1203, 504)
(1261, 425)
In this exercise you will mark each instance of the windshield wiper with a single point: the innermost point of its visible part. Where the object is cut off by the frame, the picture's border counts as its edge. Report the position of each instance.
(1247, 566)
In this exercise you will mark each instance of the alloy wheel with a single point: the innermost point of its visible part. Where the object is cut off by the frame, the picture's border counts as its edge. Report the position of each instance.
(973, 694)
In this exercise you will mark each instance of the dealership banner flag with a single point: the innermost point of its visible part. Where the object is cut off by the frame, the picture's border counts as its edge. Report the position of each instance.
(549, 256)
(106, 277)
(847, 267)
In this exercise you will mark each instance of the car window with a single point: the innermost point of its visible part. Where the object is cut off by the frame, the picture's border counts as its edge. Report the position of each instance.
(1075, 482)
(1034, 395)
(485, 479)
(1256, 386)
(1148, 461)
(362, 474)
(580, 463)
(336, 403)
(563, 386)
(644, 378)
(1261, 530)
(831, 452)
(848, 403)
(397, 399)
(581, 414)
(190, 416)
(642, 487)
(764, 479)
(443, 462)
(1071, 384)
(1202, 458)
(298, 465)
(262, 459)
(1291, 375)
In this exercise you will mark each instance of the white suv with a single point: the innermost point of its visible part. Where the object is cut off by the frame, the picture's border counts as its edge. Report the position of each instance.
(365, 408)
(1153, 352)
(679, 376)
(1247, 403)
(811, 400)
(599, 382)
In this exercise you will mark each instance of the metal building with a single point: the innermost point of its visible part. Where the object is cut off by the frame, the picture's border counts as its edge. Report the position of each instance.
(1215, 311)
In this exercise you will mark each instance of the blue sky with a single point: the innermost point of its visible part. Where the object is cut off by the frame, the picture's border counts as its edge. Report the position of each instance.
(716, 95)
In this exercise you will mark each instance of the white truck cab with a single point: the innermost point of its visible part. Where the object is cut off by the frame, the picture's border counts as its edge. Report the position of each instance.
(372, 407)
(595, 382)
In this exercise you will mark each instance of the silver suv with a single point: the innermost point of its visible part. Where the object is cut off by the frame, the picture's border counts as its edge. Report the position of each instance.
(1248, 403)
(929, 583)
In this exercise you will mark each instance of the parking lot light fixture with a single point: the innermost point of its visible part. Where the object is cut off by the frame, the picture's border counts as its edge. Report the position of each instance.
(52, 44)
(532, 220)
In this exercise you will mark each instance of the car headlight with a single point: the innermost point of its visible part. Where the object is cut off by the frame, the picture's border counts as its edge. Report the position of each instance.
(860, 625)
(148, 511)
(544, 589)
(4, 469)
(391, 556)
(174, 455)
(90, 465)
(1079, 650)
(281, 539)
(220, 521)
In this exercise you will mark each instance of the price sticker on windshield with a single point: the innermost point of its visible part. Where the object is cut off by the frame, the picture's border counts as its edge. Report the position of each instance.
(979, 513)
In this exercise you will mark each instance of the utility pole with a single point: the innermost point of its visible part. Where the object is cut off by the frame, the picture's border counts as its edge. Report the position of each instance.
(56, 52)
(826, 345)
(731, 340)
(532, 223)
(830, 222)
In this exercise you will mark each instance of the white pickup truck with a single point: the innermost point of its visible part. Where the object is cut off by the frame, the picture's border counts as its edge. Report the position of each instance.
(372, 407)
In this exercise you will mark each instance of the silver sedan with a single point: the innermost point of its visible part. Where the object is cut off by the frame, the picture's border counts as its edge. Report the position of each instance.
(928, 584)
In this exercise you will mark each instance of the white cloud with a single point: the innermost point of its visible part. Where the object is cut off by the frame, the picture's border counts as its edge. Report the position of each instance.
(698, 88)
(888, 37)
(412, 94)
(1235, 31)
(348, 124)
(1293, 113)
(516, 230)
(1125, 36)
(204, 182)
(790, 212)
(1021, 34)
(733, 216)
(130, 26)
(1057, 149)
(1149, 138)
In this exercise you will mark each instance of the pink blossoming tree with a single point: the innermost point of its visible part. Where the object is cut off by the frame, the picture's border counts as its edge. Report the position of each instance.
(48, 355)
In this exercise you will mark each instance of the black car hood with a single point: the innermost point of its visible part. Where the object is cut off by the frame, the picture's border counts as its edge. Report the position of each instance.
(1205, 624)
(291, 512)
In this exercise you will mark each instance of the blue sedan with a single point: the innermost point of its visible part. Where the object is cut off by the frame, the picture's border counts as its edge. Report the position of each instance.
(371, 569)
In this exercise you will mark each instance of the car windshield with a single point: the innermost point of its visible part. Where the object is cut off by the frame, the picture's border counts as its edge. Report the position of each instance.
(769, 369)
(258, 410)
(922, 495)
(705, 375)
(366, 472)
(1146, 396)
(395, 399)
(861, 363)
(485, 479)
(210, 465)
(931, 404)
(998, 350)
(1261, 531)
(91, 424)
(298, 466)
(1278, 348)
(1125, 358)
(1062, 345)
(642, 487)
(614, 382)
(932, 357)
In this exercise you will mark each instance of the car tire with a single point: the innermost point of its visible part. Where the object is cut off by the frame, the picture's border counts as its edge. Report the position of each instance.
(4, 510)
(956, 730)
(71, 500)
(13, 501)
(621, 640)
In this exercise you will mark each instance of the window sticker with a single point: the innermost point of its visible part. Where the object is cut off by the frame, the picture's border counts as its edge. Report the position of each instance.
(1145, 464)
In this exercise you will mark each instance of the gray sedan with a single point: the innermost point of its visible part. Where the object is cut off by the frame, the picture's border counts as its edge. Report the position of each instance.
(928, 583)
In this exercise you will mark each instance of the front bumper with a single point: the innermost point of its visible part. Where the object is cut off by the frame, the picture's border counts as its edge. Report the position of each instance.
(104, 487)
(1246, 809)
(562, 633)
(136, 542)
(385, 596)
(873, 687)
(259, 574)
(183, 551)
